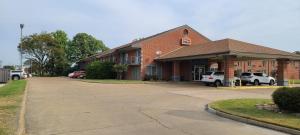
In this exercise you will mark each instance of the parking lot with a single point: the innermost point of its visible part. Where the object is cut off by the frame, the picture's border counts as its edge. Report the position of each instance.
(61, 106)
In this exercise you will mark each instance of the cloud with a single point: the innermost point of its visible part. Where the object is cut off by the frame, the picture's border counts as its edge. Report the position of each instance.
(272, 23)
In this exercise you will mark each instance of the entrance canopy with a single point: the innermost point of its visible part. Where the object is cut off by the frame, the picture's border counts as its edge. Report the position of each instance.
(227, 47)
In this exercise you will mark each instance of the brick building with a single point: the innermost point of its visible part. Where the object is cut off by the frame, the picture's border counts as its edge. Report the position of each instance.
(183, 53)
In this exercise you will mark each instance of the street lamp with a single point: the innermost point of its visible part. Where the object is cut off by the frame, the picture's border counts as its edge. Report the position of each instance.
(21, 64)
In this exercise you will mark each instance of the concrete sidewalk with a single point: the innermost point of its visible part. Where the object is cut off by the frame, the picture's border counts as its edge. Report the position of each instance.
(60, 106)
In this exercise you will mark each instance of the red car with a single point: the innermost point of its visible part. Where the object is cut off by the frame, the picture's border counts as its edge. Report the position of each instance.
(77, 74)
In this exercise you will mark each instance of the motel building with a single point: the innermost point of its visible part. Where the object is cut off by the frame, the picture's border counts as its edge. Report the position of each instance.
(183, 54)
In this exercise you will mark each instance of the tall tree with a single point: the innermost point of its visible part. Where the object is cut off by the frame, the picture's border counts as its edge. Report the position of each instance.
(82, 46)
(10, 67)
(39, 48)
(61, 37)
(58, 61)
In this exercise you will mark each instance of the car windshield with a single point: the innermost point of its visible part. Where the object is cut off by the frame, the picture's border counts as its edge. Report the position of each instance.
(258, 74)
(246, 74)
(219, 73)
(16, 71)
(207, 73)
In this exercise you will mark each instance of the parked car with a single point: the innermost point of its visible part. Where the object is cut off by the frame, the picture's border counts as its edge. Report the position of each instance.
(216, 78)
(256, 78)
(17, 74)
(77, 74)
(70, 74)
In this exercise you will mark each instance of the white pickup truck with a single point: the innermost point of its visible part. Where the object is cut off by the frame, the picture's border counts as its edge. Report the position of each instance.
(256, 78)
(217, 79)
(17, 74)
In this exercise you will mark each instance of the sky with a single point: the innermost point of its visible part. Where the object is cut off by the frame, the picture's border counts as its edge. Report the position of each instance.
(272, 23)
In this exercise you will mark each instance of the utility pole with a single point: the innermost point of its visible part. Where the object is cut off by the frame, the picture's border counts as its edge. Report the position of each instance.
(21, 51)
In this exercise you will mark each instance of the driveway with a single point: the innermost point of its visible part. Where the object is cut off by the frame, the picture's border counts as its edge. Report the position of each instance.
(60, 106)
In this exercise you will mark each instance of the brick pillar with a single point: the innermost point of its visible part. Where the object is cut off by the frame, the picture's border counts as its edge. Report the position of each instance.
(220, 66)
(176, 71)
(282, 72)
(228, 70)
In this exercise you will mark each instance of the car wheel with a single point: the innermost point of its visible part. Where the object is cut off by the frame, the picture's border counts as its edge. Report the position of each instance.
(272, 82)
(237, 83)
(16, 78)
(218, 83)
(256, 82)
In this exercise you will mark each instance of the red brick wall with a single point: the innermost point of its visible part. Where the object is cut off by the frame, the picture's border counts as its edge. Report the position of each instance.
(165, 43)
(228, 69)
(257, 66)
(293, 70)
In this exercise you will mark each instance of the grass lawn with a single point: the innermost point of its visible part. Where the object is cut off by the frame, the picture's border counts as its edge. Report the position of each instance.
(113, 81)
(10, 100)
(246, 108)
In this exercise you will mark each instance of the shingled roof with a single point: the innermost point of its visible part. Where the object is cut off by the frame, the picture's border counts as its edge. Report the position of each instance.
(227, 47)
(137, 42)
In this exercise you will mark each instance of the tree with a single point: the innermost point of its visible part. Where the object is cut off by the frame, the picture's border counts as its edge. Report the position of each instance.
(82, 46)
(10, 67)
(39, 48)
(58, 61)
(61, 37)
(120, 69)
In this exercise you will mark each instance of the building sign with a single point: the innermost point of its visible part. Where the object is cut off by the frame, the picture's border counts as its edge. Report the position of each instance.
(186, 41)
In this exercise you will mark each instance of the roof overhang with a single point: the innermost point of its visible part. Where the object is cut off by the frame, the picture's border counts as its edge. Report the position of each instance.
(265, 56)
(239, 55)
(128, 48)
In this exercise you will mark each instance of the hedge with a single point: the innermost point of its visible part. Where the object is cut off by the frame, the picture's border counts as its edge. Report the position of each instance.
(100, 70)
(287, 99)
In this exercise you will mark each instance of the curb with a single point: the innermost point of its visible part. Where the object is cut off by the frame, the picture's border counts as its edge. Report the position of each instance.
(252, 122)
(252, 87)
(21, 121)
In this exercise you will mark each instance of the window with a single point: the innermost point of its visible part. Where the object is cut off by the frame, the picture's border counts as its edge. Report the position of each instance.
(249, 70)
(113, 58)
(126, 58)
(219, 73)
(185, 32)
(151, 70)
(207, 73)
(246, 74)
(258, 74)
(249, 63)
(273, 63)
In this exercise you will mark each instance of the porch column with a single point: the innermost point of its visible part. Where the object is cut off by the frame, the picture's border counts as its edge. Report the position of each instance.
(176, 71)
(220, 66)
(282, 72)
(228, 70)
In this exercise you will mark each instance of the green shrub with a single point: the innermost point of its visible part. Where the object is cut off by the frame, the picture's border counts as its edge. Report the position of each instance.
(100, 70)
(120, 69)
(287, 99)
